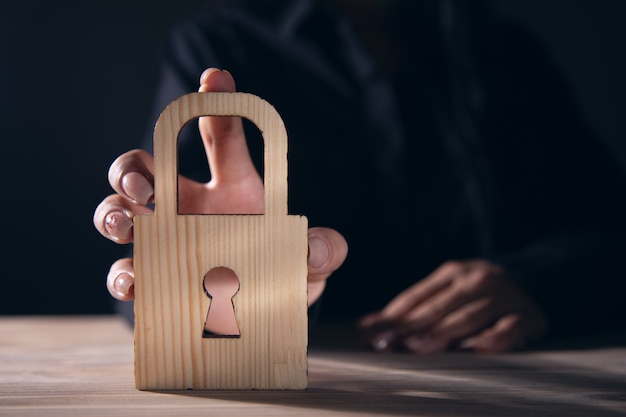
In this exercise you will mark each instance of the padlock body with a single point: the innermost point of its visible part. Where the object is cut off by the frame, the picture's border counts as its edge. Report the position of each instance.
(269, 256)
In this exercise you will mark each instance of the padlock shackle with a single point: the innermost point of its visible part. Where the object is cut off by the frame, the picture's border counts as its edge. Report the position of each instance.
(182, 110)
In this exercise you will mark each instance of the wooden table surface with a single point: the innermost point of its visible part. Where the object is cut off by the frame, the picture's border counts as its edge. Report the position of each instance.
(83, 366)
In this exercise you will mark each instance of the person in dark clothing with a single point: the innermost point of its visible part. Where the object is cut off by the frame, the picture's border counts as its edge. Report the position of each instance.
(443, 145)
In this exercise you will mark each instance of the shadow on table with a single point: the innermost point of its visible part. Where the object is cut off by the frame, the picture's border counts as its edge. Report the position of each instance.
(544, 383)
(571, 378)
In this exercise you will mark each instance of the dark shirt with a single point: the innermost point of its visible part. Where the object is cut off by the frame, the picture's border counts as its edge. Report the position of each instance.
(425, 163)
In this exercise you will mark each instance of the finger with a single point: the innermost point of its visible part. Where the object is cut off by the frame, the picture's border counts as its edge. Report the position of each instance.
(431, 311)
(431, 326)
(132, 176)
(406, 301)
(114, 218)
(470, 281)
(506, 334)
(328, 250)
(513, 331)
(121, 280)
(223, 137)
(467, 320)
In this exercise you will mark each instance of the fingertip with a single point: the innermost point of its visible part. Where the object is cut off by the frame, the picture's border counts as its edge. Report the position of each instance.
(121, 281)
(118, 226)
(114, 220)
(116, 171)
(504, 336)
(328, 250)
(216, 80)
(131, 176)
(206, 73)
(319, 252)
(124, 284)
(137, 188)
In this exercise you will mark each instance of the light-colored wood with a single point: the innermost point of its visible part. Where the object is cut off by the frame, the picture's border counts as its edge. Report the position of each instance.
(268, 253)
(83, 367)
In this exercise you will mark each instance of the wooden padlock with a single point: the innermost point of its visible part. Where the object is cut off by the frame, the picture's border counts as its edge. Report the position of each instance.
(267, 253)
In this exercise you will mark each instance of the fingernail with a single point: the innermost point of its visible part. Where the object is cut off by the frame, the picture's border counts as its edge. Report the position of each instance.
(137, 187)
(118, 225)
(383, 341)
(123, 282)
(422, 344)
(206, 74)
(319, 252)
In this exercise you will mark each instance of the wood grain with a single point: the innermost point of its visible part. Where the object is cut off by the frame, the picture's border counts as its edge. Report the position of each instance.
(173, 252)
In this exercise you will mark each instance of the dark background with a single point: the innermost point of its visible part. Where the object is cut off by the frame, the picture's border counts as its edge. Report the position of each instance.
(76, 79)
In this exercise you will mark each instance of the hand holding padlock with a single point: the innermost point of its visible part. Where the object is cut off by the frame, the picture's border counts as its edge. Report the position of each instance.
(237, 188)
(177, 344)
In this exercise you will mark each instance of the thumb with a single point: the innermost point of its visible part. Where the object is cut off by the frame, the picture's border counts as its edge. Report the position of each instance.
(328, 250)
(223, 136)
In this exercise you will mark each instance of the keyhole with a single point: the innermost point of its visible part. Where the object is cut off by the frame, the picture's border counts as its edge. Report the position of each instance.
(220, 285)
